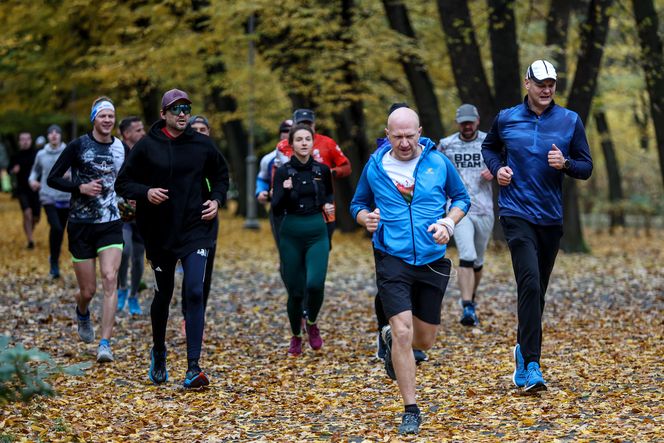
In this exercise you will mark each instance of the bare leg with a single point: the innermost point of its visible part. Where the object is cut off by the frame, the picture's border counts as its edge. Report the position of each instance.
(478, 277)
(28, 224)
(87, 283)
(109, 263)
(466, 282)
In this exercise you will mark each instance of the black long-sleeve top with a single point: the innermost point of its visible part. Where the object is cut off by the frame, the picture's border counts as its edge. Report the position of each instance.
(312, 188)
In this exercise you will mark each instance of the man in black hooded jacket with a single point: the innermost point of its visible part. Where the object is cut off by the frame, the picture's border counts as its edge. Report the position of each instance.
(179, 180)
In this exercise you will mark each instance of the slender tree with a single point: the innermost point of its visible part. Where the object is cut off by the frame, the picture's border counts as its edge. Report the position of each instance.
(416, 72)
(593, 38)
(504, 53)
(616, 212)
(652, 61)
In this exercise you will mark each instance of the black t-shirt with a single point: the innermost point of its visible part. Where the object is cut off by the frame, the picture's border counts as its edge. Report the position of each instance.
(312, 188)
(24, 159)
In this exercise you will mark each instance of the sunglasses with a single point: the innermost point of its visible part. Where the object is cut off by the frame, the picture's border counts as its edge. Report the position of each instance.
(177, 109)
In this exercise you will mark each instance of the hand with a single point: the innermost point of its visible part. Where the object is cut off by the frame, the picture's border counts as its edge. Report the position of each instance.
(15, 169)
(328, 208)
(210, 211)
(486, 175)
(263, 197)
(157, 196)
(440, 233)
(132, 203)
(504, 176)
(288, 183)
(556, 158)
(371, 220)
(91, 189)
(35, 185)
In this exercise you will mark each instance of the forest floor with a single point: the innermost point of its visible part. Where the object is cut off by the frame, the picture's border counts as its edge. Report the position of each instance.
(602, 353)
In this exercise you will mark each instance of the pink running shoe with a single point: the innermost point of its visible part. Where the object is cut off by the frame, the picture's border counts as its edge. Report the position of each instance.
(315, 341)
(295, 348)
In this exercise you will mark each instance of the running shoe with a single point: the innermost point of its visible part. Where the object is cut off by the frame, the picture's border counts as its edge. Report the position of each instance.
(122, 298)
(295, 347)
(387, 338)
(158, 373)
(134, 306)
(315, 340)
(420, 356)
(104, 354)
(410, 423)
(85, 329)
(534, 380)
(195, 378)
(519, 375)
(469, 317)
(380, 347)
(55, 271)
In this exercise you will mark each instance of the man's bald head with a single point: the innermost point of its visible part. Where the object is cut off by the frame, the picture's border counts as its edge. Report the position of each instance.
(403, 132)
(402, 117)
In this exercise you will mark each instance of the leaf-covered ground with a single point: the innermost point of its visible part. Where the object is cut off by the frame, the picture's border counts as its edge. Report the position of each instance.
(602, 353)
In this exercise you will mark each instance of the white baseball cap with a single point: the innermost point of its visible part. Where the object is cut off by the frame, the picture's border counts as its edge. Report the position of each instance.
(541, 70)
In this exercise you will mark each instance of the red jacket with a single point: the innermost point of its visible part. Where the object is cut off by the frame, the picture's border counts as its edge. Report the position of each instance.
(326, 151)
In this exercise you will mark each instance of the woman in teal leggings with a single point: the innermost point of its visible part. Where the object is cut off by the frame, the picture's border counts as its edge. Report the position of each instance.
(302, 193)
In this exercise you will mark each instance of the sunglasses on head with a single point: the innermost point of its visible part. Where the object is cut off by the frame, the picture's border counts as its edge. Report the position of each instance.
(177, 109)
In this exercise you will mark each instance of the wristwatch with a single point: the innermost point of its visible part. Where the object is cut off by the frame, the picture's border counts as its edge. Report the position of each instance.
(567, 164)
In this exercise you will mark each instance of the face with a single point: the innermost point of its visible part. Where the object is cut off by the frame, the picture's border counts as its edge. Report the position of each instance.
(104, 122)
(303, 143)
(24, 140)
(468, 130)
(177, 116)
(403, 133)
(133, 133)
(540, 94)
(54, 138)
(200, 127)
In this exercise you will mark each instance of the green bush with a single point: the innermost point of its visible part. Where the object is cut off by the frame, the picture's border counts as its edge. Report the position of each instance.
(23, 372)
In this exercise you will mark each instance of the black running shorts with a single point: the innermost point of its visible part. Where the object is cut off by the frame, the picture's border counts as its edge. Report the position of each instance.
(29, 199)
(86, 240)
(404, 287)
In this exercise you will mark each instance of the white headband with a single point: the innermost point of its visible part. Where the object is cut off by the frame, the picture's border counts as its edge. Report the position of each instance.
(104, 104)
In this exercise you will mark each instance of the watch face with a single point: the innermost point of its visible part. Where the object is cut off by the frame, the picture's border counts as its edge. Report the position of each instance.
(566, 165)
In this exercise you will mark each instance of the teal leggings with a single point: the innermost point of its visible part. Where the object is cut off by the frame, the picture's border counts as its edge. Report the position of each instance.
(304, 247)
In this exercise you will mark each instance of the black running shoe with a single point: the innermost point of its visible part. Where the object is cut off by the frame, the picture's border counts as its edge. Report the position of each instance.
(158, 373)
(420, 356)
(387, 338)
(410, 423)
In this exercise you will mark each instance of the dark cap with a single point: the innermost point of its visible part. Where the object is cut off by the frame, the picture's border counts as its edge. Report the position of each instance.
(285, 125)
(199, 119)
(172, 96)
(303, 115)
(395, 106)
(466, 113)
(55, 128)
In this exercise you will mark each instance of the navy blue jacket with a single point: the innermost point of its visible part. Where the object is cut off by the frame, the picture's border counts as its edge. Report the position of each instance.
(535, 193)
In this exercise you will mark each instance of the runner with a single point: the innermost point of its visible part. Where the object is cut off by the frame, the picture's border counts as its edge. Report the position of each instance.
(95, 228)
(20, 164)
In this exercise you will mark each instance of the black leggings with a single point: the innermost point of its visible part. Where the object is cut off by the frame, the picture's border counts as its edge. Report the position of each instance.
(193, 265)
(57, 220)
(533, 249)
(206, 284)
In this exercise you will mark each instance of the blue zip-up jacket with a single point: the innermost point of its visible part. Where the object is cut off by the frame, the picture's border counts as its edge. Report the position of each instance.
(535, 192)
(402, 231)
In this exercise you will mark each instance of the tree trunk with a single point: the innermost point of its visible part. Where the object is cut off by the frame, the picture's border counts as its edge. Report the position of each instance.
(464, 52)
(652, 60)
(616, 212)
(150, 100)
(504, 54)
(593, 37)
(557, 24)
(417, 74)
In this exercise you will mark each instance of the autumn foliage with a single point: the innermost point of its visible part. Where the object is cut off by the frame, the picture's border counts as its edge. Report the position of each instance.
(602, 354)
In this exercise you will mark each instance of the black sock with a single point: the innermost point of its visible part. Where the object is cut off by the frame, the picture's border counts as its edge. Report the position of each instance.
(412, 408)
(86, 315)
(467, 303)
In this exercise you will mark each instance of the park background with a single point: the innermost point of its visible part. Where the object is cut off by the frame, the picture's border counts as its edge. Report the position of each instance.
(247, 65)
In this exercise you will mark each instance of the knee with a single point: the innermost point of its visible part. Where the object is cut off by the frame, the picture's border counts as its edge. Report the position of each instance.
(402, 333)
(424, 343)
(87, 292)
(109, 276)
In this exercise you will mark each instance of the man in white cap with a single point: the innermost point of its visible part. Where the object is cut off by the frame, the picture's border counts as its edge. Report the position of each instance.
(179, 180)
(94, 227)
(529, 149)
(472, 234)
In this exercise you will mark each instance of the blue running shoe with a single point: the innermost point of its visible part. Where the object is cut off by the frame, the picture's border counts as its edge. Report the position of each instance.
(134, 306)
(122, 298)
(519, 376)
(469, 317)
(380, 347)
(420, 356)
(387, 338)
(534, 380)
(195, 378)
(158, 373)
(410, 423)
